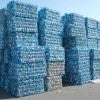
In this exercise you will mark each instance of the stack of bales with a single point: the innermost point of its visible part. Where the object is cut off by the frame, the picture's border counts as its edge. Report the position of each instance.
(50, 36)
(2, 46)
(26, 64)
(76, 51)
(95, 54)
(91, 32)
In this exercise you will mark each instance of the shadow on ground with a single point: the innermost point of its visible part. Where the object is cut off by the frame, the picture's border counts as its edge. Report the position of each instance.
(5, 95)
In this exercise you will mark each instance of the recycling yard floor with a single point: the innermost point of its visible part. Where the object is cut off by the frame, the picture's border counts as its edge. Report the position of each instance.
(85, 92)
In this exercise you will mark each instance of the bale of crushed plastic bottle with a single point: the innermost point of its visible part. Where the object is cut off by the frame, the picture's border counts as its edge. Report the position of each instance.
(50, 27)
(55, 53)
(77, 65)
(49, 14)
(91, 23)
(95, 63)
(19, 39)
(74, 25)
(27, 85)
(55, 68)
(91, 30)
(53, 83)
(92, 43)
(3, 28)
(21, 17)
(72, 42)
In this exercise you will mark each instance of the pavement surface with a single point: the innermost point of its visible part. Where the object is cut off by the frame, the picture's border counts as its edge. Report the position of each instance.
(85, 92)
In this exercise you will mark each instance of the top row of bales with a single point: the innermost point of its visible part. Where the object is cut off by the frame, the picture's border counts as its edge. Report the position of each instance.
(92, 26)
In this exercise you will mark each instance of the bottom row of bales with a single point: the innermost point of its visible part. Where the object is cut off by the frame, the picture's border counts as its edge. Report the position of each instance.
(32, 57)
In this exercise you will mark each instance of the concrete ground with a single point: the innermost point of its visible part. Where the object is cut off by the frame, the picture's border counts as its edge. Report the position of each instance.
(85, 92)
